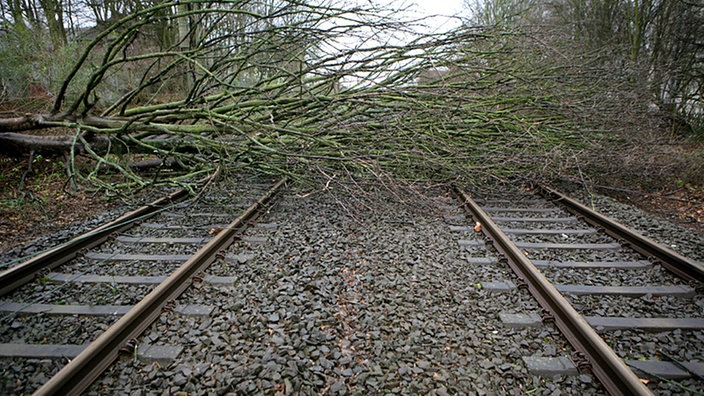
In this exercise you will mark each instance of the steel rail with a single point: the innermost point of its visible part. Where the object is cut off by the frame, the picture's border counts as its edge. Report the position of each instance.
(673, 261)
(612, 371)
(22, 273)
(78, 374)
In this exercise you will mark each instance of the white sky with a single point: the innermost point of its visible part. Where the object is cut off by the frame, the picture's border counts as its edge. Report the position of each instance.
(440, 7)
(449, 7)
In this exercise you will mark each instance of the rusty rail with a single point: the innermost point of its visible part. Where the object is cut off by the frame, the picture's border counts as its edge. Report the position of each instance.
(22, 273)
(77, 376)
(673, 261)
(611, 370)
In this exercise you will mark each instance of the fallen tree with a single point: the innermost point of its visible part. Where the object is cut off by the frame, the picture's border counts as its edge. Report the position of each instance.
(282, 91)
(19, 144)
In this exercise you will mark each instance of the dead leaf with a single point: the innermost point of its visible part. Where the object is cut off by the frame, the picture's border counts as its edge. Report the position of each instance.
(214, 231)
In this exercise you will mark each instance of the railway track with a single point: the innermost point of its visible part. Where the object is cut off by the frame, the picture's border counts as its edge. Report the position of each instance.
(334, 294)
(602, 284)
(92, 296)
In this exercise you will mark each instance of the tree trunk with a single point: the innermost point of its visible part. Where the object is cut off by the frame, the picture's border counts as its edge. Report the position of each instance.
(16, 144)
(53, 10)
(28, 122)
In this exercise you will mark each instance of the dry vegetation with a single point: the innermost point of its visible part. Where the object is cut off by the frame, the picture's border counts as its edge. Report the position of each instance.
(44, 204)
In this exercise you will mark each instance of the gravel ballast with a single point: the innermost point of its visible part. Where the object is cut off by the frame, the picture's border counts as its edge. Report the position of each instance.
(635, 344)
(345, 298)
(336, 294)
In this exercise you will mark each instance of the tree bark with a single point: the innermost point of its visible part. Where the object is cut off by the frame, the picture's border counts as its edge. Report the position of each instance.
(26, 123)
(16, 144)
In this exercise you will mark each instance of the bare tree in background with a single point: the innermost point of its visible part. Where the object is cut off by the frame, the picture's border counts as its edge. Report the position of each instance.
(657, 43)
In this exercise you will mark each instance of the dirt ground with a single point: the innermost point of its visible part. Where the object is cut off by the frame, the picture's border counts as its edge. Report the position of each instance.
(683, 205)
(39, 201)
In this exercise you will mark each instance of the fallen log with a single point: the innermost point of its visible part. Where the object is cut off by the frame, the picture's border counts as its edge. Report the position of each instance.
(17, 144)
(167, 163)
(29, 122)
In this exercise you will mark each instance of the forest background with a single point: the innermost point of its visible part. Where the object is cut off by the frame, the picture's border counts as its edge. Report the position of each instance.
(104, 98)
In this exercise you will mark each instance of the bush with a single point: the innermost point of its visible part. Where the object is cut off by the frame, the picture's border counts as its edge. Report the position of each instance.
(32, 71)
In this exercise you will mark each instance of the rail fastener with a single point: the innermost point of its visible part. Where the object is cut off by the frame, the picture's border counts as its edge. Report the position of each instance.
(676, 263)
(80, 372)
(612, 371)
(24, 272)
